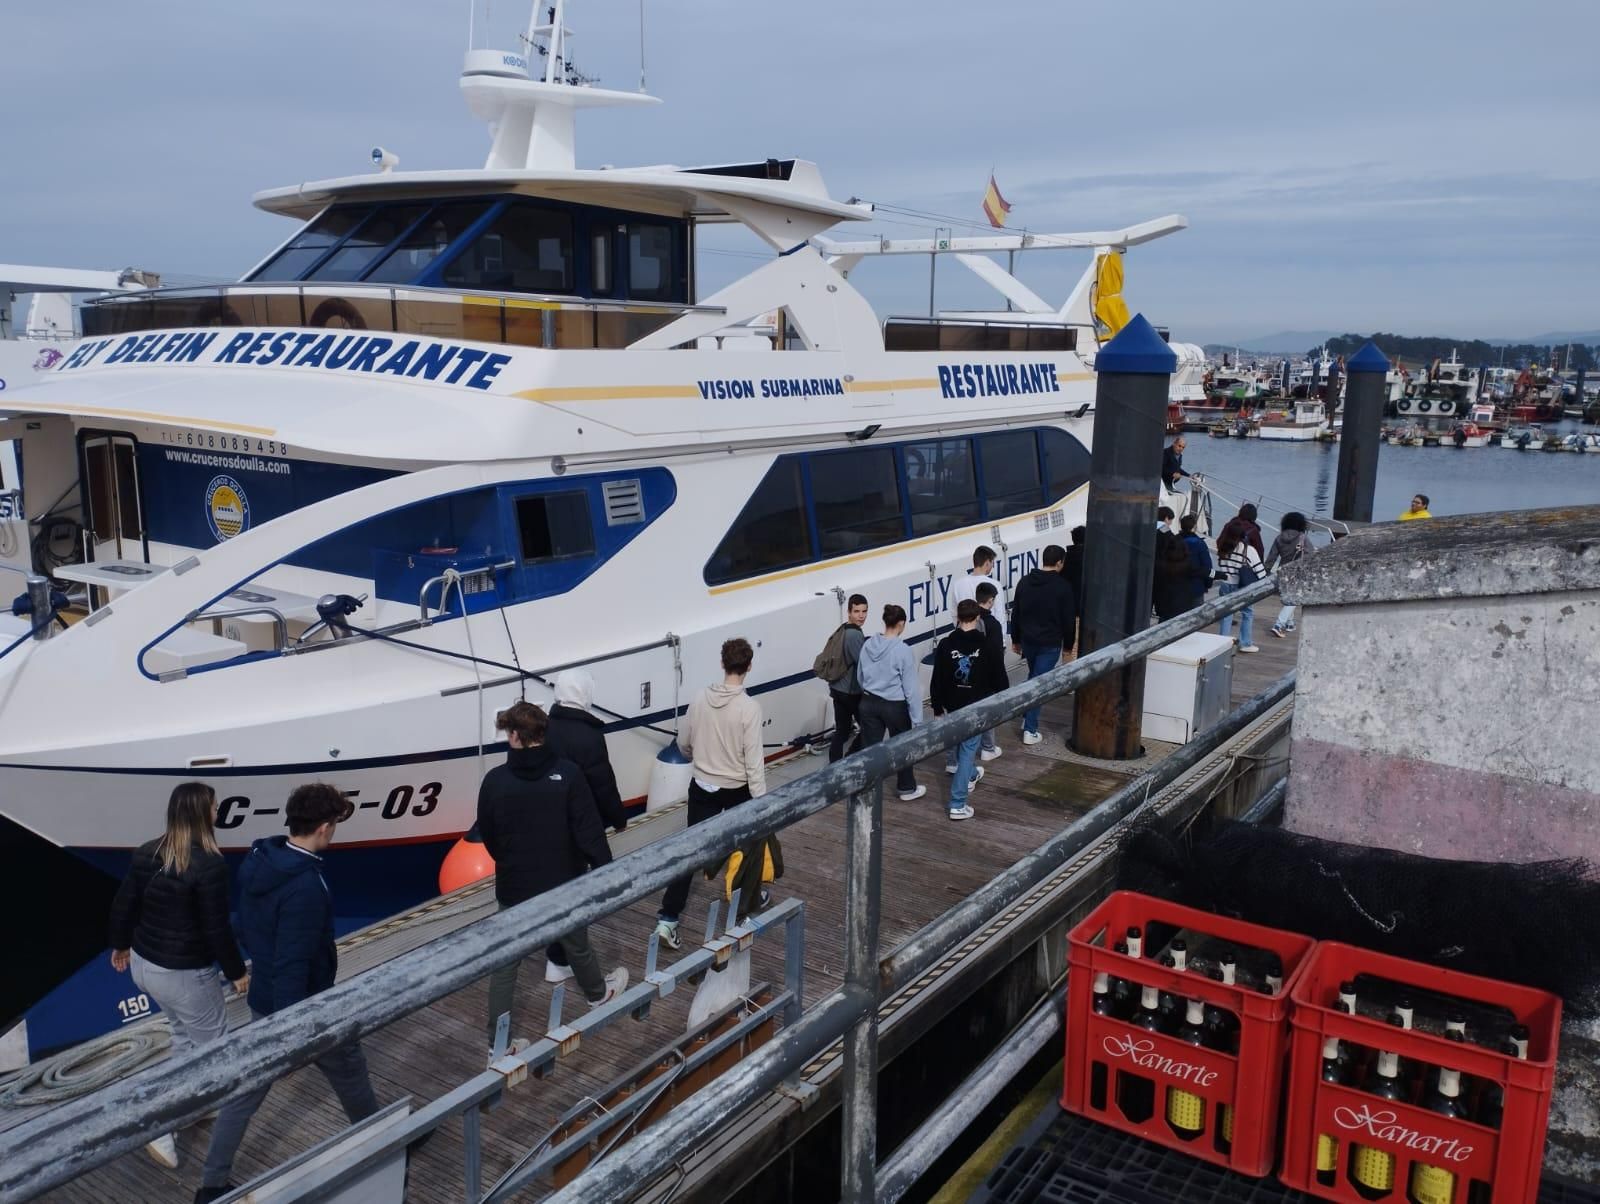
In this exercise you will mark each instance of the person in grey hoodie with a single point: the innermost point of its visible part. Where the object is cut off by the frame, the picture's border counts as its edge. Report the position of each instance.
(1291, 544)
(891, 694)
(721, 734)
(846, 690)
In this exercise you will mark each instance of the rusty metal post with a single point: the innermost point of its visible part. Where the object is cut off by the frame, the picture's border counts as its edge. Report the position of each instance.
(1359, 438)
(1130, 415)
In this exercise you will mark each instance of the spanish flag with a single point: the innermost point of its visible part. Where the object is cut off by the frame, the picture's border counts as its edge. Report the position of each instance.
(995, 206)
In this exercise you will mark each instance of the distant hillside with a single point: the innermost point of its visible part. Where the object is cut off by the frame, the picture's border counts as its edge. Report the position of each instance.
(1428, 348)
(1284, 342)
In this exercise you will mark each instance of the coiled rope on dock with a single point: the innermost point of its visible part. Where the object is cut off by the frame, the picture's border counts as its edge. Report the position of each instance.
(85, 1068)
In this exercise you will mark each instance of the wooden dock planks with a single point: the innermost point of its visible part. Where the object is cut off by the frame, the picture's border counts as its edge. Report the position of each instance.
(929, 865)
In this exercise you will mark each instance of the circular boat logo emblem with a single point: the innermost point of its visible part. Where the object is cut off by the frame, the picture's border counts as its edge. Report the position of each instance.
(227, 508)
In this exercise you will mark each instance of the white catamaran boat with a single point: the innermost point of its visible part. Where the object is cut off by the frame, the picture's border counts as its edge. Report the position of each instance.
(466, 427)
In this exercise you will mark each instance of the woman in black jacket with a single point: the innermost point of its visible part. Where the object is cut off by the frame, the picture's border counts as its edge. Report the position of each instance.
(169, 924)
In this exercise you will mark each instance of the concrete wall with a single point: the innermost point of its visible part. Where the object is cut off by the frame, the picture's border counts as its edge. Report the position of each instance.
(1451, 727)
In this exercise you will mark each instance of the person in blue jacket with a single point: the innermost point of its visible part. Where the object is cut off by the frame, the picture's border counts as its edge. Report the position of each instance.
(1200, 567)
(286, 926)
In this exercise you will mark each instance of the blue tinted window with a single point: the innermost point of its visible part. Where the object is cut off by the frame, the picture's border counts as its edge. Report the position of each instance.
(427, 241)
(1066, 463)
(942, 489)
(1010, 472)
(527, 249)
(770, 532)
(367, 243)
(856, 495)
(312, 243)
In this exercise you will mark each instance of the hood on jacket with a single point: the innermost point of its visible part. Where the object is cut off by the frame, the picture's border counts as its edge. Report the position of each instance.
(575, 688)
(576, 714)
(719, 696)
(530, 763)
(878, 647)
(1039, 576)
(1287, 541)
(271, 863)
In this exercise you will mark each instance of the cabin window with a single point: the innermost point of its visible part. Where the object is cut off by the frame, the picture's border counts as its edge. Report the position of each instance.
(770, 532)
(652, 266)
(1066, 463)
(427, 241)
(526, 249)
(1010, 472)
(555, 526)
(600, 262)
(941, 485)
(856, 495)
(312, 243)
(359, 251)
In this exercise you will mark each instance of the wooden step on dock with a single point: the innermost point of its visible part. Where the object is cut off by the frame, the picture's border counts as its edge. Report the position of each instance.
(1027, 795)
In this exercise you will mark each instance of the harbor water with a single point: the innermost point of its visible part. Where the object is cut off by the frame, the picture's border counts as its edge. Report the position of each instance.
(1455, 480)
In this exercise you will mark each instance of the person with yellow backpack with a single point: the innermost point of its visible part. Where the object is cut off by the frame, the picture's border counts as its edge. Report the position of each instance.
(721, 734)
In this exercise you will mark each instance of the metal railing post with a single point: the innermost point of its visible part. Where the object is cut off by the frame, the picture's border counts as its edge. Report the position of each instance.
(862, 910)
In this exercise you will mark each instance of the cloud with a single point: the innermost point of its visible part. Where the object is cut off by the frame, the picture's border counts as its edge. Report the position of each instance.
(1368, 165)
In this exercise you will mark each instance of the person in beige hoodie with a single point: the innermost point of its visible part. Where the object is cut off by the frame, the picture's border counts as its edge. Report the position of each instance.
(721, 734)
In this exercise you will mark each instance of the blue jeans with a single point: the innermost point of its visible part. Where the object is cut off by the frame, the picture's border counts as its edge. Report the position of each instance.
(1247, 618)
(1285, 620)
(1040, 661)
(966, 763)
(950, 753)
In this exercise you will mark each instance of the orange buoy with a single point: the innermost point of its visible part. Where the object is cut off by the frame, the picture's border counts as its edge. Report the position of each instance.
(467, 862)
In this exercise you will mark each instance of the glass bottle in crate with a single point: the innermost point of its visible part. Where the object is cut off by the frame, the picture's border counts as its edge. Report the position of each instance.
(1335, 1069)
(1103, 1005)
(1434, 1184)
(1371, 1170)
(1186, 1111)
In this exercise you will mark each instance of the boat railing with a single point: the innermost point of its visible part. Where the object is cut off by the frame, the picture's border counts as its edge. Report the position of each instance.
(1333, 528)
(82, 1134)
(976, 334)
(521, 319)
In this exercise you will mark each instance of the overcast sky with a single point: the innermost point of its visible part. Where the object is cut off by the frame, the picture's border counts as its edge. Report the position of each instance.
(1400, 165)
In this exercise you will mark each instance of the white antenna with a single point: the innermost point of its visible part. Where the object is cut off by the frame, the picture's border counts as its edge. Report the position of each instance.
(641, 46)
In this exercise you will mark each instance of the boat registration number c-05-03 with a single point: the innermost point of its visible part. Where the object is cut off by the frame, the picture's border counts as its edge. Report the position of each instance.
(400, 802)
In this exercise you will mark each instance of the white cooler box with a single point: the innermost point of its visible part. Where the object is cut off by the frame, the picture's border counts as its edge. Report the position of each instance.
(1188, 687)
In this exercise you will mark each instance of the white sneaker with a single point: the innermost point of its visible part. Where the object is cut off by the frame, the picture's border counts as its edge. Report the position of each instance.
(164, 1150)
(962, 812)
(951, 769)
(518, 1044)
(977, 776)
(616, 984)
(911, 796)
(990, 754)
(555, 973)
(1248, 648)
(1031, 737)
(667, 930)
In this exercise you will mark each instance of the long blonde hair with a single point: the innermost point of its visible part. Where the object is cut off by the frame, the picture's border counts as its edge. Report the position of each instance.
(188, 821)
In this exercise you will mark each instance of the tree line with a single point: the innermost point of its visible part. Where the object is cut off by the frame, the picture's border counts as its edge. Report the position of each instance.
(1413, 352)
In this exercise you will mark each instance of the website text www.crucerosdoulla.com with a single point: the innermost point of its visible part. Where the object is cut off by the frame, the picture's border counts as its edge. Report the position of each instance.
(236, 463)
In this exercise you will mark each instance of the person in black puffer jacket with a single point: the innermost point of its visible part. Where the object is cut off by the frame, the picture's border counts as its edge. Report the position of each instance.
(539, 823)
(577, 734)
(169, 925)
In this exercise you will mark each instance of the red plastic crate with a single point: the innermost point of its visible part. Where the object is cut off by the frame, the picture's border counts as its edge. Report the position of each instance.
(1244, 1088)
(1504, 1162)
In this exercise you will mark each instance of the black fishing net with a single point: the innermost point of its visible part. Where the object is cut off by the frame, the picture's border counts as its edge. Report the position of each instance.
(1536, 923)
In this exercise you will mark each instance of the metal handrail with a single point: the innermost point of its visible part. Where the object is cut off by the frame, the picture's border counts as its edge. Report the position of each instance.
(395, 294)
(280, 625)
(1204, 479)
(79, 1136)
